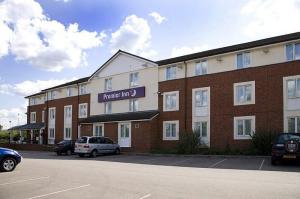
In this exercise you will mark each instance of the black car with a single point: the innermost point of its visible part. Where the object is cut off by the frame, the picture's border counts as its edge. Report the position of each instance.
(65, 146)
(286, 146)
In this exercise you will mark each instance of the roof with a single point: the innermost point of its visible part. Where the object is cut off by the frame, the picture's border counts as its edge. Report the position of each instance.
(81, 80)
(140, 115)
(237, 47)
(39, 93)
(32, 126)
(121, 51)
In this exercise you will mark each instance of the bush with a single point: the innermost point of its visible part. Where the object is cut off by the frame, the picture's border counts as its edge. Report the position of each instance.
(189, 143)
(261, 142)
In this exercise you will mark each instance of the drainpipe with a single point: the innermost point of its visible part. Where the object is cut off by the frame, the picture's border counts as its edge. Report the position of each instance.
(46, 118)
(77, 120)
(185, 96)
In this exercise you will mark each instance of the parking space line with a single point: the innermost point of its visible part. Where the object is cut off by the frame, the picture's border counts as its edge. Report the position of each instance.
(217, 163)
(19, 181)
(56, 192)
(262, 164)
(145, 196)
(179, 162)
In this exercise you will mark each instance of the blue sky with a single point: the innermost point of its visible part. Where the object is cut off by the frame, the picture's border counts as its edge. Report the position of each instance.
(41, 46)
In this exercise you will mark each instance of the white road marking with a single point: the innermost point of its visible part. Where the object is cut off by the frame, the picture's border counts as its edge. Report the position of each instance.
(262, 164)
(217, 163)
(179, 162)
(65, 190)
(19, 181)
(145, 196)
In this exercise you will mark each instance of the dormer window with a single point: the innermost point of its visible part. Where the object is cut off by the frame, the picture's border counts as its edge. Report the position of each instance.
(243, 60)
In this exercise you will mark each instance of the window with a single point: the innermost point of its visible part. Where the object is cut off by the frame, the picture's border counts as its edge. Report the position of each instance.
(107, 107)
(134, 79)
(33, 117)
(68, 112)
(244, 127)
(171, 101)
(43, 116)
(201, 128)
(69, 92)
(171, 72)
(201, 98)
(292, 51)
(244, 93)
(83, 110)
(67, 133)
(294, 124)
(243, 60)
(51, 133)
(133, 105)
(51, 95)
(33, 101)
(293, 88)
(82, 89)
(201, 68)
(108, 84)
(171, 129)
(51, 113)
(124, 132)
(98, 130)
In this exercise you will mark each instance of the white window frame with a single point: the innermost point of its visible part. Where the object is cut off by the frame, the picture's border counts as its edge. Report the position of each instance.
(79, 110)
(82, 89)
(69, 91)
(200, 65)
(297, 119)
(293, 44)
(165, 123)
(236, 85)
(243, 56)
(166, 72)
(95, 125)
(105, 109)
(200, 129)
(54, 109)
(132, 107)
(235, 126)
(68, 121)
(65, 133)
(165, 94)
(49, 133)
(32, 119)
(51, 95)
(33, 101)
(108, 86)
(296, 94)
(43, 116)
(134, 81)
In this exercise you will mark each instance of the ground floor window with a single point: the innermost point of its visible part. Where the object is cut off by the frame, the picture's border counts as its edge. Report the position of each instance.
(294, 124)
(67, 133)
(51, 133)
(244, 127)
(124, 130)
(98, 130)
(171, 129)
(201, 128)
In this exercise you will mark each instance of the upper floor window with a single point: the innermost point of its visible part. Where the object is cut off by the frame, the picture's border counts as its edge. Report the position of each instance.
(171, 101)
(82, 89)
(33, 117)
(244, 93)
(83, 110)
(243, 60)
(69, 92)
(201, 68)
(133, 105)
(51, 95)
(33, 101)
(171, 72)
(294, 124)
(51, 113)
(293, 88)
(134, 79)
(68, 111)
(108, 84)
(108, 107)
(43, 116)
(244, 127)
(201, 98)
(292, 51)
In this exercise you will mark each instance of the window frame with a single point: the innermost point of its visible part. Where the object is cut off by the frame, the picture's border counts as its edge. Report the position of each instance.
(297, 120)
(235, 126)
(95, 125)
(81, 90)
(165, 94)
(49, 131)
(235, 92)
(296, 94)
(243, 60)
(105, 109)
(69, 91)
(293, 51)
(200, 63)
(133, 105)
(43, 116)
(131, 78)
(176, 137)
(31, 117)
(79, 110)
(65, 132)
(166, 72)
(106, 80)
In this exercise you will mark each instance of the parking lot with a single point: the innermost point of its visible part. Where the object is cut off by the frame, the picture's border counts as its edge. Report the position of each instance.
(45, 175)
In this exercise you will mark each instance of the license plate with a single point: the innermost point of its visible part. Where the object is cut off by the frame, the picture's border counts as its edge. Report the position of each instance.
(289, 156)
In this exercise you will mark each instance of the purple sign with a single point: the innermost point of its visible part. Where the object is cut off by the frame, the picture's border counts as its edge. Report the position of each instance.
(122, 94)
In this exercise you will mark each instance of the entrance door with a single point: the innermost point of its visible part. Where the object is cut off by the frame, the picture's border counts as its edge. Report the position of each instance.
(203, 130)
(124, 134)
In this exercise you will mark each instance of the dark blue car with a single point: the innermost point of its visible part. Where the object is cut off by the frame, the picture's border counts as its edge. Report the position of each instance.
(9, 159)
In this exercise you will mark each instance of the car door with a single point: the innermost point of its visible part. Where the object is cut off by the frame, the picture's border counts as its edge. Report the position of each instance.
(101, 145)
(93, 144)
(110, 145)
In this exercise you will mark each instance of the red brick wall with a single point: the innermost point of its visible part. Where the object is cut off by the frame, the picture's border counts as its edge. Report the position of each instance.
(38, 109)
(268, 107)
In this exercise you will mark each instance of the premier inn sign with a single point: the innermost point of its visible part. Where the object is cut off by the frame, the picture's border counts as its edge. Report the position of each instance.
(121, 94)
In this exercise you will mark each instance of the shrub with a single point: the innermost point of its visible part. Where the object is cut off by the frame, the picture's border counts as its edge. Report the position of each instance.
(261, 142)
(189, 143)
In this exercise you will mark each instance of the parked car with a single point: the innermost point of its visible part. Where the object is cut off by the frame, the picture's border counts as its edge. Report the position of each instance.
(65, 146)
(286, 146)
(9, 159)
(95, 145)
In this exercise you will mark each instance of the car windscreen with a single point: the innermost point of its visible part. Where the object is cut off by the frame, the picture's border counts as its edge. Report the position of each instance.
(286, 137)
(63, 142)
(82, 140)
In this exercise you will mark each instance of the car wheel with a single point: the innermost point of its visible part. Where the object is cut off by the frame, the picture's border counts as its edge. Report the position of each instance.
(8, 164)
(81, 155)
(93, 154)
(117, 151)
(69, 152)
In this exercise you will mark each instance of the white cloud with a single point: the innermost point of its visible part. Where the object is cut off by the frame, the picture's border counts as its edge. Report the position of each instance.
(184, 50)
(157, 17)
(134, 35)
(30, 87)
(47, 44)
(271, 17)
(16, 115)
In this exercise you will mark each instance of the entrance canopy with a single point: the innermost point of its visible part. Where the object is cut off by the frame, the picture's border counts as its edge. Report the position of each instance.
(32, 126)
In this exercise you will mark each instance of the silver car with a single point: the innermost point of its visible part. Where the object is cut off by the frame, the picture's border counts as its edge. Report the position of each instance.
(95, 145)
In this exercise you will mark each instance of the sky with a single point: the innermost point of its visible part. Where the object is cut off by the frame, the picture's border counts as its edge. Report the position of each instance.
(44, 43)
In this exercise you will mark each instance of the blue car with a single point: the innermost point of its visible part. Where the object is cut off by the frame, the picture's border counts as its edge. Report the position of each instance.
(9, 159)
